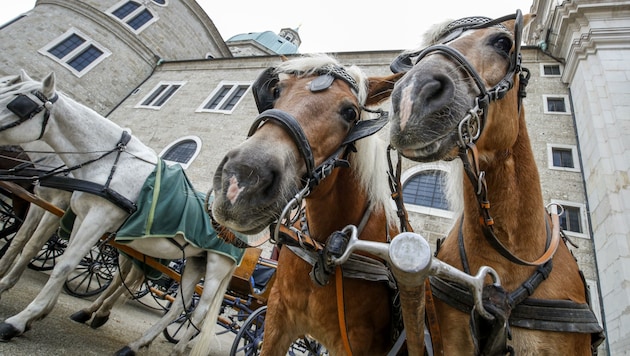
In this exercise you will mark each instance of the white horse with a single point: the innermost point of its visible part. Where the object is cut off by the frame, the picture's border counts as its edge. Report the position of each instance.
(39, 223)
(32, 111)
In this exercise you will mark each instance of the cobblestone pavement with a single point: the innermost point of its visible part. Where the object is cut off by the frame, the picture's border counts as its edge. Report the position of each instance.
(58, 335)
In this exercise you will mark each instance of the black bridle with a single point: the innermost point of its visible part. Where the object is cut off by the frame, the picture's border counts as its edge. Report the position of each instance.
(471, 126)
(360, 129)
(262, 89)
(26, 108)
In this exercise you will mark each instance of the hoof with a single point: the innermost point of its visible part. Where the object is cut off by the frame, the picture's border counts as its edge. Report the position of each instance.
(125, 351)
(81, 316)
(8, 331)
(99, 321)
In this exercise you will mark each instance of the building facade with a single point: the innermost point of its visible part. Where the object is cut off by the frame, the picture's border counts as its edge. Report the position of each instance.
(161, 69)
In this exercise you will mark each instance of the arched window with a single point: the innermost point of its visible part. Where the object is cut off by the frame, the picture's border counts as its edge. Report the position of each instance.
(182, 151)
(424, 189)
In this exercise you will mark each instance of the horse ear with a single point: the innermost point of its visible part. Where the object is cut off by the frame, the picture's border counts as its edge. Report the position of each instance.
(48, 85)
(526, 20)
(24, 77)
(380, 88)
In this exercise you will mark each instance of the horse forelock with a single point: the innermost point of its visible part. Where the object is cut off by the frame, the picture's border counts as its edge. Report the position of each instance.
(309, 64)
(9, 88)
(370, 165)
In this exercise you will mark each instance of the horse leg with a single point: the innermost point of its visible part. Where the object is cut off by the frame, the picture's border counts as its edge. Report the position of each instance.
(20, 239)
(84, 236)
(85, 314)
(133, 280)
(219, 270)
(190, 277)
(279, 334)
(44, 229)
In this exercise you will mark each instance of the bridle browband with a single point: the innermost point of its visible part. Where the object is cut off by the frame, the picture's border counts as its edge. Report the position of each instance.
(26, 108)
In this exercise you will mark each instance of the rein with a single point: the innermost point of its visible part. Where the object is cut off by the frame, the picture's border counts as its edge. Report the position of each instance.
(52, 179)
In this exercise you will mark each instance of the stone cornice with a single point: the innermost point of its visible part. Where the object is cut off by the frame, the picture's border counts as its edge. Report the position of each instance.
(589, 43)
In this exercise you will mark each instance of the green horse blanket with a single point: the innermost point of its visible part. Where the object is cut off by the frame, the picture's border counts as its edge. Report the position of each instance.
(168, 205)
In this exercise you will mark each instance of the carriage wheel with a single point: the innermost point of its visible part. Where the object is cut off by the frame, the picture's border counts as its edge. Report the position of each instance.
(9, 224)
(248, 340)
(46, 259)
(182, 323)
(94, 273)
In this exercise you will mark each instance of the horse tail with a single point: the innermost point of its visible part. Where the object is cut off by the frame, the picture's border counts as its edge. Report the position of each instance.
(207, 334)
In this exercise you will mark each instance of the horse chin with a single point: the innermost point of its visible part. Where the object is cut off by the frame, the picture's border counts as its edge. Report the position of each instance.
(421, 149)
(245, 223)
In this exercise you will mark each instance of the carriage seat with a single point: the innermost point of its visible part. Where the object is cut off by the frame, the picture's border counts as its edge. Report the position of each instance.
(253, 275)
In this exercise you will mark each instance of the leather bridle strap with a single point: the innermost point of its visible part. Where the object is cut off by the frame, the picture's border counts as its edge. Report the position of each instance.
(289, 123)
(432, 320)
(341, 312)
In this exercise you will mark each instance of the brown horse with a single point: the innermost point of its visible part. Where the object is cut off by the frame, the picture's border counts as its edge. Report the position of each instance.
(461, 97)
(317, 121)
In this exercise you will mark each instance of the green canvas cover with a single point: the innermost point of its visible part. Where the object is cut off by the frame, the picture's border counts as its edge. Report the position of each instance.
(168, 205)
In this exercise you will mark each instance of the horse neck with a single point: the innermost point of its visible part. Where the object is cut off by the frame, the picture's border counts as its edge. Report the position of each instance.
(516, 202)
(74, 128)
(339, 201)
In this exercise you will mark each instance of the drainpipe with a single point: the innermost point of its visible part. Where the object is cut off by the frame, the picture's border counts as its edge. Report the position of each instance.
(157, 64)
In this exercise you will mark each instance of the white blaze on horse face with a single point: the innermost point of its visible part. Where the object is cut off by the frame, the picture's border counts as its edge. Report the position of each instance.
(406, 105)
(233, 190)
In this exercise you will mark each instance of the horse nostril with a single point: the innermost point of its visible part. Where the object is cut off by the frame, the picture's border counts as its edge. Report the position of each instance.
(435, 92)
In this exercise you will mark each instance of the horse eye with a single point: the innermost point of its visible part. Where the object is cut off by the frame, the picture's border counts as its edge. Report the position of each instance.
(349, 114)
(276, 92)
(503, 44)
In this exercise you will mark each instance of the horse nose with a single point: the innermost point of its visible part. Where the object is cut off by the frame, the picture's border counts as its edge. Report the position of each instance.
(250, 178)
(423, 94)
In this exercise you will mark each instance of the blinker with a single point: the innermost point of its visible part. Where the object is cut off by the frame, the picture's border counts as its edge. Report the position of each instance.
(24, 107)
(322, 82)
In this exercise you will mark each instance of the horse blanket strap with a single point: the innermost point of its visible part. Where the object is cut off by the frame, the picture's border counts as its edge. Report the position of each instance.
(357, 266)
(341, 312)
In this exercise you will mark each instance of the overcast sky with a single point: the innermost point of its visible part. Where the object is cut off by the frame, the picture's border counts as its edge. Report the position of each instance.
(333, 25)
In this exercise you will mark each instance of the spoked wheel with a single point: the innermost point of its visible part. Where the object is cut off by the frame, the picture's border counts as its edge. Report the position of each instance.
(248, 340)
(47, 257)
(94, 273)
(177, 327)
(9, 223)
(307, 346)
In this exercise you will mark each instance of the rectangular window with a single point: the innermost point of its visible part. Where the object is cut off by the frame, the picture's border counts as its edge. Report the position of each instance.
(139, 21)
(224, 98)
(570, 220)
(573, 218)
(160, 95)
(126, 9)
(551, 70)
(68, 45)
(133, 14)
(84, 58)
(563, 157)
(75, 51)
(556, 104)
